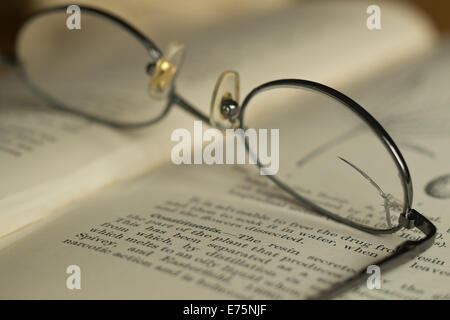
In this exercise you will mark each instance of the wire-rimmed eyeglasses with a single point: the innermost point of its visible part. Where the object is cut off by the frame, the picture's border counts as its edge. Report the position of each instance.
(335, 158)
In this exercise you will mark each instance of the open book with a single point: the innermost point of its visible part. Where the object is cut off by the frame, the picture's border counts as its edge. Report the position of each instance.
(75, 192)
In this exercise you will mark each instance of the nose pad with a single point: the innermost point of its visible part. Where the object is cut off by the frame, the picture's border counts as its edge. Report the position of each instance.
(225, 107)
(163, 73)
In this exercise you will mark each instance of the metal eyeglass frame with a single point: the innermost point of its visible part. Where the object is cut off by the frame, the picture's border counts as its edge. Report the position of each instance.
(234, 114)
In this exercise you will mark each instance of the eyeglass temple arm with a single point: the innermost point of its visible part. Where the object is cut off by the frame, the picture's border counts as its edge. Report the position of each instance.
(178, 100)
(403, 253)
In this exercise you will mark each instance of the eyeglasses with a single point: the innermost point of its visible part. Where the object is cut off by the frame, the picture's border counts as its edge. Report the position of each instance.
(335, 158)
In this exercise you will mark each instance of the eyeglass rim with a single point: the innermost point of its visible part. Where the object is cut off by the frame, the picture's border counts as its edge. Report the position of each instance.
(154, 52)
(153, 49)
(376, 127)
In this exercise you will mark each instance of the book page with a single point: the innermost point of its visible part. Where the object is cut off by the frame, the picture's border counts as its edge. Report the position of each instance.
(223, 231)
(51, 158)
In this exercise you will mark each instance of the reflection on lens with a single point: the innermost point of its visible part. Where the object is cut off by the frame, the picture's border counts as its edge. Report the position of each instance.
(99, 69)
(329, 156)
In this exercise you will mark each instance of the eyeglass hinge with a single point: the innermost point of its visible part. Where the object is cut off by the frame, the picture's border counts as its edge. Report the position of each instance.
(408, 220)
